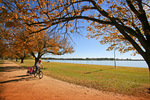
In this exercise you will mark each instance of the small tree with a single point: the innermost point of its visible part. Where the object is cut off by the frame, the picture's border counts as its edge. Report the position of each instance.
(20, 44)
(43, 44)
(14, 43)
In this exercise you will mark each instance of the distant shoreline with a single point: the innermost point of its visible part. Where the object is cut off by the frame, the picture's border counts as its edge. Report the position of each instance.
(110, 62)
(100, 59)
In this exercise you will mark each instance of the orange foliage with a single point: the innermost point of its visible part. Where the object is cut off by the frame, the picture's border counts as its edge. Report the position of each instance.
(19, 43)
(112, 21)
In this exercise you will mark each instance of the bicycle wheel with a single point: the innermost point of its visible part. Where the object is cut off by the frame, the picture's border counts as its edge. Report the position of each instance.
(40, 74)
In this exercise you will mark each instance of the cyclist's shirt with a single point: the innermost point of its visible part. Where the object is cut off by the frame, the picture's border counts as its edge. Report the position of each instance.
(38, 64)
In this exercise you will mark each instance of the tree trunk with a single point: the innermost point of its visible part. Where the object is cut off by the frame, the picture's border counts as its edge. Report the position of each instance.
(147, 59)
(146, 56)
(22, 60)
(16, 59)
(36, 60)
(148, 63)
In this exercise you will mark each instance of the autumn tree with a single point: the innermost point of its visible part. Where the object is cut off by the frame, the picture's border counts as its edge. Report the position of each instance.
(124, 24)
(5, 37)
(2, 43)
(49, 44)
(21, 44)
(14, 43)
(3, 48)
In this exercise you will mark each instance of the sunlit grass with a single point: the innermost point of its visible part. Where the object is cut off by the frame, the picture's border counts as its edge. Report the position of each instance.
(1, 69)
(124, 80)
(1, 62)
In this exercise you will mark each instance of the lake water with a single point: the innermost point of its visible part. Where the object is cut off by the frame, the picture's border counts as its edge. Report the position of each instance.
(141, 64)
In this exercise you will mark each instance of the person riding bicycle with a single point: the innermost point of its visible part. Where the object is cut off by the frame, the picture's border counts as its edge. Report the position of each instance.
(39, 64)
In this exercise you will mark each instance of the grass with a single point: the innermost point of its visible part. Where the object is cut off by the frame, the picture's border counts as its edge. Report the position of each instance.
(123, 80)
(1, 62)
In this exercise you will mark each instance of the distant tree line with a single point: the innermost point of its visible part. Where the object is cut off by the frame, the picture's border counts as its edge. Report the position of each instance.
(127, 59)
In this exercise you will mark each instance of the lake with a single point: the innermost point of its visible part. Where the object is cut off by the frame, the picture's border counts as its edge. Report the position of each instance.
(141, 64)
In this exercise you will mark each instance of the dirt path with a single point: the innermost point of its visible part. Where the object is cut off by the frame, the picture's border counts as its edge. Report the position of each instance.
(16, 85)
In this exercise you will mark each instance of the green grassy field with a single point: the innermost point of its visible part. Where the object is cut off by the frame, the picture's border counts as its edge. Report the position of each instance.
(1, 62)
(124, 80)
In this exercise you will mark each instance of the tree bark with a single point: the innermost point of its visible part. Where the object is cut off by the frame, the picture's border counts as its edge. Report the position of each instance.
(148, 63)
(147, 58)
(22, 59)
(36, 60)
(16, 59)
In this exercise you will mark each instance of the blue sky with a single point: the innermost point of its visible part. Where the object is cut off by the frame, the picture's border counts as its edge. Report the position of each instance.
(91, 48)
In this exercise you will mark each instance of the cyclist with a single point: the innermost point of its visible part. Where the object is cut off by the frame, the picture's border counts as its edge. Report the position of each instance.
(39, 64)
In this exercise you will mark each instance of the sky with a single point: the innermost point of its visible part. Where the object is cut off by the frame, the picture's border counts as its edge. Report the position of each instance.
(91, 48)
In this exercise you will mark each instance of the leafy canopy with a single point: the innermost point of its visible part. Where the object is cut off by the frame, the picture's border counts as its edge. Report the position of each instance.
(124, 24)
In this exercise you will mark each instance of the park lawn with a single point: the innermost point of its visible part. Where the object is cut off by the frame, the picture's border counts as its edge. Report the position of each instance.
(1, 62)
(1, 69)
(123, 80)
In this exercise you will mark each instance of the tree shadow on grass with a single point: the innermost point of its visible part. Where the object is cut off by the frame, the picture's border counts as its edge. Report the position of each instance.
(98, 71)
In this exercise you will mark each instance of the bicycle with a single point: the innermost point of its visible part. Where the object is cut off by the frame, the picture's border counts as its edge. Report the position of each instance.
(39, 73)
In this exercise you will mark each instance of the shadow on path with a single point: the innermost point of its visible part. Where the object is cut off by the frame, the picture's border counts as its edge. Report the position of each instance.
(21, 78)
(11, 68)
